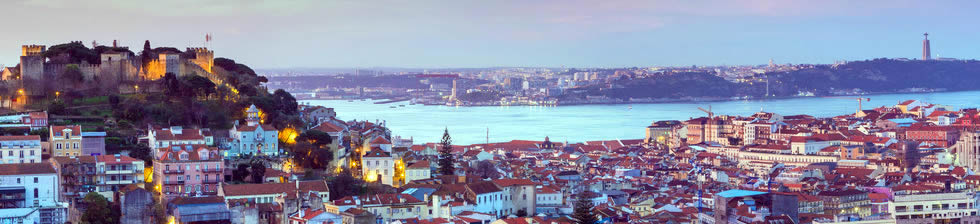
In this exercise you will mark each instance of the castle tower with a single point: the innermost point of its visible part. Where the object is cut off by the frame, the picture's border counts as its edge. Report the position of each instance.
(32, 68)
(926, 52)
(253, 118)
(202, 57)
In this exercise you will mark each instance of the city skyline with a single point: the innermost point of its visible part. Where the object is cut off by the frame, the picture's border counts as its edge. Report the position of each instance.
(439, 34)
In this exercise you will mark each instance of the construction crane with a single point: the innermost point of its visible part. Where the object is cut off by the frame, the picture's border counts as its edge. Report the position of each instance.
(859, 99)
(710, 114)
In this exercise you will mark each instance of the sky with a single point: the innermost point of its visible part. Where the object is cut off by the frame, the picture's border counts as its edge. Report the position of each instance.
(542, 33)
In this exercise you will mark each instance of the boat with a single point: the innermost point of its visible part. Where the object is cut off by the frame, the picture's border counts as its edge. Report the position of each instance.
(350, 100)
(630, 108)
(403, 105)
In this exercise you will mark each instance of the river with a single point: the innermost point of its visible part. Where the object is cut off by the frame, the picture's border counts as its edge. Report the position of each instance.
(578, 123)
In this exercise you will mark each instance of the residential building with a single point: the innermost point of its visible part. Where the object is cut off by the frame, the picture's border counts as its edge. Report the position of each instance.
(386, 207)
(378, 166)
(188, 170)
(519, 196)
(209, 209)
(104, 174)
(846, 202)
(253, 138)
(30, 194)
(136, 205)
(357, 216)
(547, 200)
(66, 140)
(161, 138)
(93, 143)
(932, 207)
(418, 171)
(271, 192)
(20, 149)
(486, 198)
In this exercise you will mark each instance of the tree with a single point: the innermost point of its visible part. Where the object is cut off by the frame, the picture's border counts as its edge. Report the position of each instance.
(72, 75)
(140, 151)
(446, 160)
(98, 211)
(486, 170)
(241, 173)
(344, 184)
(583, 210)
(258, 172)
(287, 103)
(315, 137)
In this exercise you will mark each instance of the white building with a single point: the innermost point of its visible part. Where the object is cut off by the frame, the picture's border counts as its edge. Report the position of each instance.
(20, 149)
(937, 207)
(487, 197)
(418, 171)
(378, 165)
(519, 195)
(30, 193)
(548, 200)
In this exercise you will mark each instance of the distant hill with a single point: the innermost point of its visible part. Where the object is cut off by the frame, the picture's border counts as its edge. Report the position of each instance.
(870, 76)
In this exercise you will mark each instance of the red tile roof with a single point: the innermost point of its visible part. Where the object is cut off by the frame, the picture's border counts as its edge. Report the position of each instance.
(26, 168)
(274, 188)
(19, 137)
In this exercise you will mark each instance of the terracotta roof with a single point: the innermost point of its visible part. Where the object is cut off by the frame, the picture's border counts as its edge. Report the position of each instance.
(424, 164)
(377, 152)
(380, 140)
(26, 168)
(186, 134)
(111, 159)
(76, 130)
(172, 153)
(265, 127)
(328, 127)
(19, 137)
(483, 187)
(198, 200)
(512, 182)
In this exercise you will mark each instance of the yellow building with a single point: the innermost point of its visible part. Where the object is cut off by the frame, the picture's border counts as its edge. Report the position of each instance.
(66, 140)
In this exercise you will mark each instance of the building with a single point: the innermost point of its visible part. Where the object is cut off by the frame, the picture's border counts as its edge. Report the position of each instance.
(199, 210)
(548, 200)
(487, 198)
(253, 138)
(932, 207)
(386, 207)
(161, 138)
(314, 216)
(93, 143)
(135, 205)
(188, 170)
(378, 166)
(104, 174)
(30, 194)
(66, 140)
(849, 202)
(357, 216)
(519, 196)
(418, 171)
(20, 149)
(663, 132)
(968, 150)
(271, 192)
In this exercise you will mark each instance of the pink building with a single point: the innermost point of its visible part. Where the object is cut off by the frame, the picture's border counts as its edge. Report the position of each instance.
(188, 170)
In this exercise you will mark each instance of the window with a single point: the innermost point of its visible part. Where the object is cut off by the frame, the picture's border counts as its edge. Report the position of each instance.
(18, 180)
(35, 193)
(35, 180)
(57, 146)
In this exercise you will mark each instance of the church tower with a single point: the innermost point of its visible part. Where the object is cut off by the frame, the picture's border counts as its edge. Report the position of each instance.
(926, 52)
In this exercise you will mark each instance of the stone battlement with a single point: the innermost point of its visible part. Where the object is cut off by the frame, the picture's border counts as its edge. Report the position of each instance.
(32, 50)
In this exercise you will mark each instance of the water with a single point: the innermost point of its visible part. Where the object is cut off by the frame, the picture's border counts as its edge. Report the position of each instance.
(468, 125)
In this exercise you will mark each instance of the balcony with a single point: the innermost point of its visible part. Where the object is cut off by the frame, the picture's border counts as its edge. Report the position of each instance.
(211, 171)
(119, 182)
(211, 181)
(173, 171)
(118, 171)
(173, 183)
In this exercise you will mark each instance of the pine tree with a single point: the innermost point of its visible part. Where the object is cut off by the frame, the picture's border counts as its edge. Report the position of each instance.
(446, 159)
(583, 210)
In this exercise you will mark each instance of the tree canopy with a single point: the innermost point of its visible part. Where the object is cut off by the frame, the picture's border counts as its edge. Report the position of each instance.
(446, 160)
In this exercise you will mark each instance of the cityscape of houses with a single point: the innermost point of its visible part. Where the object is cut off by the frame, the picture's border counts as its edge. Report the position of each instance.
(913, 162)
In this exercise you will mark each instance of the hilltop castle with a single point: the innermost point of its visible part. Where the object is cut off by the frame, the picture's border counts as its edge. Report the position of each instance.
(114, 68)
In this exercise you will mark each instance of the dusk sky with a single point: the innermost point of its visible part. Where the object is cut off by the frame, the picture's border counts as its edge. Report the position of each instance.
(433, 34)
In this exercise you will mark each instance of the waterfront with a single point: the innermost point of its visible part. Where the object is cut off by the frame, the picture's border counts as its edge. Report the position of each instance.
(468, 125)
